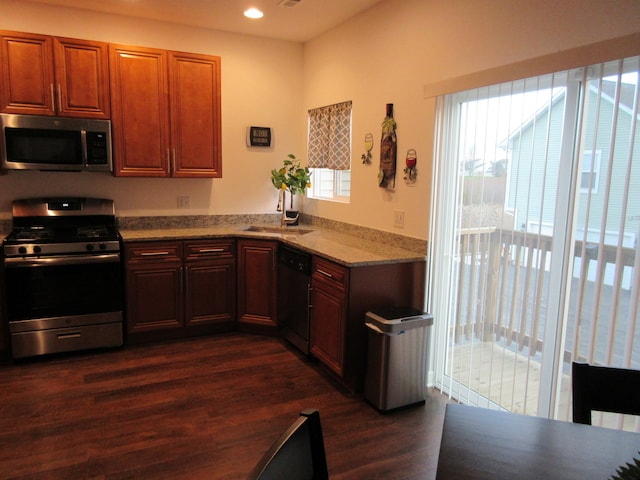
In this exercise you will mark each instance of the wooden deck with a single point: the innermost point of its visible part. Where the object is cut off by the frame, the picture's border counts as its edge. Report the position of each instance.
(503, 282)
(512, 381)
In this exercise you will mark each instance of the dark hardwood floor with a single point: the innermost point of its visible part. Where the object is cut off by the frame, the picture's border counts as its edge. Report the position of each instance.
(195, 409)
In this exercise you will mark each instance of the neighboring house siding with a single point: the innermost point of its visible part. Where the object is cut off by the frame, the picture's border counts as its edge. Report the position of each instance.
(602, 146)
(529, 162)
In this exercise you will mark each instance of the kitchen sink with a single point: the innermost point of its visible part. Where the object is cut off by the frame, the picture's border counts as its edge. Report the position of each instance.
(276, 229)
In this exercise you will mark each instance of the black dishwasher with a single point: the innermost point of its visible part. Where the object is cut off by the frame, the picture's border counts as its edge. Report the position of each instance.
(294, 284)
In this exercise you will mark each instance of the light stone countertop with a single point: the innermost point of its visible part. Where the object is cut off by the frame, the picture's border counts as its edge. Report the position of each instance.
(344, 249)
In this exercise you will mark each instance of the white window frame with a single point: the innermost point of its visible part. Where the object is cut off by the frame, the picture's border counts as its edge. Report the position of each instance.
(320, 177)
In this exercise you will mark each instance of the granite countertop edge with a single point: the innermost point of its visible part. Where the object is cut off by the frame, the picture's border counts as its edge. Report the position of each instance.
(341, 248)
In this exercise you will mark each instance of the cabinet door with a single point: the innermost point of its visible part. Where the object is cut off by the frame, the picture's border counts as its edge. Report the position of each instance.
(210, 299)
(328, 314)
(27, 76)
(154, 287)
(194, 82)
(154, 298)
(257, 286)
(82, 78)
(140, 111)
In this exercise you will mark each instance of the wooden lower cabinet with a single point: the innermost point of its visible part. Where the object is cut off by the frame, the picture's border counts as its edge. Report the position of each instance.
(184, 288)
(257, 286)
(329, 313)
(340, 299)
(179, 289)
(210, 286)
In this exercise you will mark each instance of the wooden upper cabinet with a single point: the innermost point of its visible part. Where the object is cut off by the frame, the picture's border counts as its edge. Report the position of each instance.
(27, 74)
(82, 78)
(166, 113)
(140, 111)
(194, 86)
(44, 75)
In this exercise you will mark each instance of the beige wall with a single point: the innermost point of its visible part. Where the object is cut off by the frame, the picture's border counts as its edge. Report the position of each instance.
(389, 54)
(386, 55)
(261, 85)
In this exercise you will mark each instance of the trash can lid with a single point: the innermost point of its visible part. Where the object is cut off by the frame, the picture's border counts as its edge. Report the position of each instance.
(398, 314)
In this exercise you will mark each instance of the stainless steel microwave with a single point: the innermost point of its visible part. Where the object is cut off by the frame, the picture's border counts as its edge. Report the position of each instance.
(31, 142)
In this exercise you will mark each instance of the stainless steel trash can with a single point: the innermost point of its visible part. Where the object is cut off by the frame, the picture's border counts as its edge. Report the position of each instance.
(397, 357)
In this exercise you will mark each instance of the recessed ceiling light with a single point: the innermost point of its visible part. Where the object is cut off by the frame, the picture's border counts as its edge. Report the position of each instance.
(253, 13)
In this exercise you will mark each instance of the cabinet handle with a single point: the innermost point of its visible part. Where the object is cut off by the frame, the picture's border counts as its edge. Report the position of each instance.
(169, 163)
(59, 99)
(173, 159)
(153, 254)
(184, 280)
(322, 272)
(211, 250)
(53, 99)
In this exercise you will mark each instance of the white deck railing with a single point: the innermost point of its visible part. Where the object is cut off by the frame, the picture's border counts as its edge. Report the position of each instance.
(502, 286)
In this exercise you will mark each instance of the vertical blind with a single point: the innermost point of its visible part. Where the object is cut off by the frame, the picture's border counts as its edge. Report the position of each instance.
(534, 236)
(330, 137)
(605, 296)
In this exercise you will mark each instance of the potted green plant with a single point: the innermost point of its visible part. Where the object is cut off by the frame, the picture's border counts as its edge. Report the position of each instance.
(293, 178)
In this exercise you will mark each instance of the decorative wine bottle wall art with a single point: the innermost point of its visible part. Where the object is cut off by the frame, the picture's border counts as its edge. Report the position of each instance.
(388, 151)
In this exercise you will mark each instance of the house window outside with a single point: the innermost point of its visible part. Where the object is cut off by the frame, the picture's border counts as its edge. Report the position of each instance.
(590, 176)
(329, 152)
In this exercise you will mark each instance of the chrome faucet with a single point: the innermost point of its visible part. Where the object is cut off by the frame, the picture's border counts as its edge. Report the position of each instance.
(284, 220)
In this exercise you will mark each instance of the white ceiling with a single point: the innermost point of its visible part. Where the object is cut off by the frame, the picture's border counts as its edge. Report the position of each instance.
(302, 22)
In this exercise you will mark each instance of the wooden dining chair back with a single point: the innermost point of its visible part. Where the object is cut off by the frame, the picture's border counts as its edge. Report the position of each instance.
(604, 389)
(298, 454)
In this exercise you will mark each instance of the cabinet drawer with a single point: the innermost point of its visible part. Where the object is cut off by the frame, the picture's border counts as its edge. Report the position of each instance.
(330, 272)
(200, 250)
(150, 252)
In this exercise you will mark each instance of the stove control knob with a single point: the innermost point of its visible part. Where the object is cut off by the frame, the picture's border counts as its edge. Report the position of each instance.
(103, 246)
(22, 250)
(90, 246)
(37, 249)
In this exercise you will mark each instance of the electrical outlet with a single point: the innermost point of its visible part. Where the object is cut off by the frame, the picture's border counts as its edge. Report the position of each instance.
(184, 201)
(398, 218)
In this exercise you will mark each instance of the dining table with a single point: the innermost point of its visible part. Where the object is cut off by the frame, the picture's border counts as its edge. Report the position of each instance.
(483, 443)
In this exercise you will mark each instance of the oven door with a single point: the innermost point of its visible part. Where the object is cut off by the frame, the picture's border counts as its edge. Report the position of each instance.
(69, 286)
(62, 304)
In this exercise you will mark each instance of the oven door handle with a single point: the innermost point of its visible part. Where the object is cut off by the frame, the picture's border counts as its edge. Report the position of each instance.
(15, 262)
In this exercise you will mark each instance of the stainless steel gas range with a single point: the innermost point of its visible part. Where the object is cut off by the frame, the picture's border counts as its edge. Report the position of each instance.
(63, 276)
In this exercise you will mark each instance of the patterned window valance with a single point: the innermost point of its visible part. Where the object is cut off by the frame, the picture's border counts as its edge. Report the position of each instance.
(330, 137)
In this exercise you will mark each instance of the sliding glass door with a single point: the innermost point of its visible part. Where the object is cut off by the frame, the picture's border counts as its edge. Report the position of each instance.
(535, 225)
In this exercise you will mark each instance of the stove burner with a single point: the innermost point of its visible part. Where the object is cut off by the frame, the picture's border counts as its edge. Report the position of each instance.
(96, 231)
(45, 227)
(33, 234)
